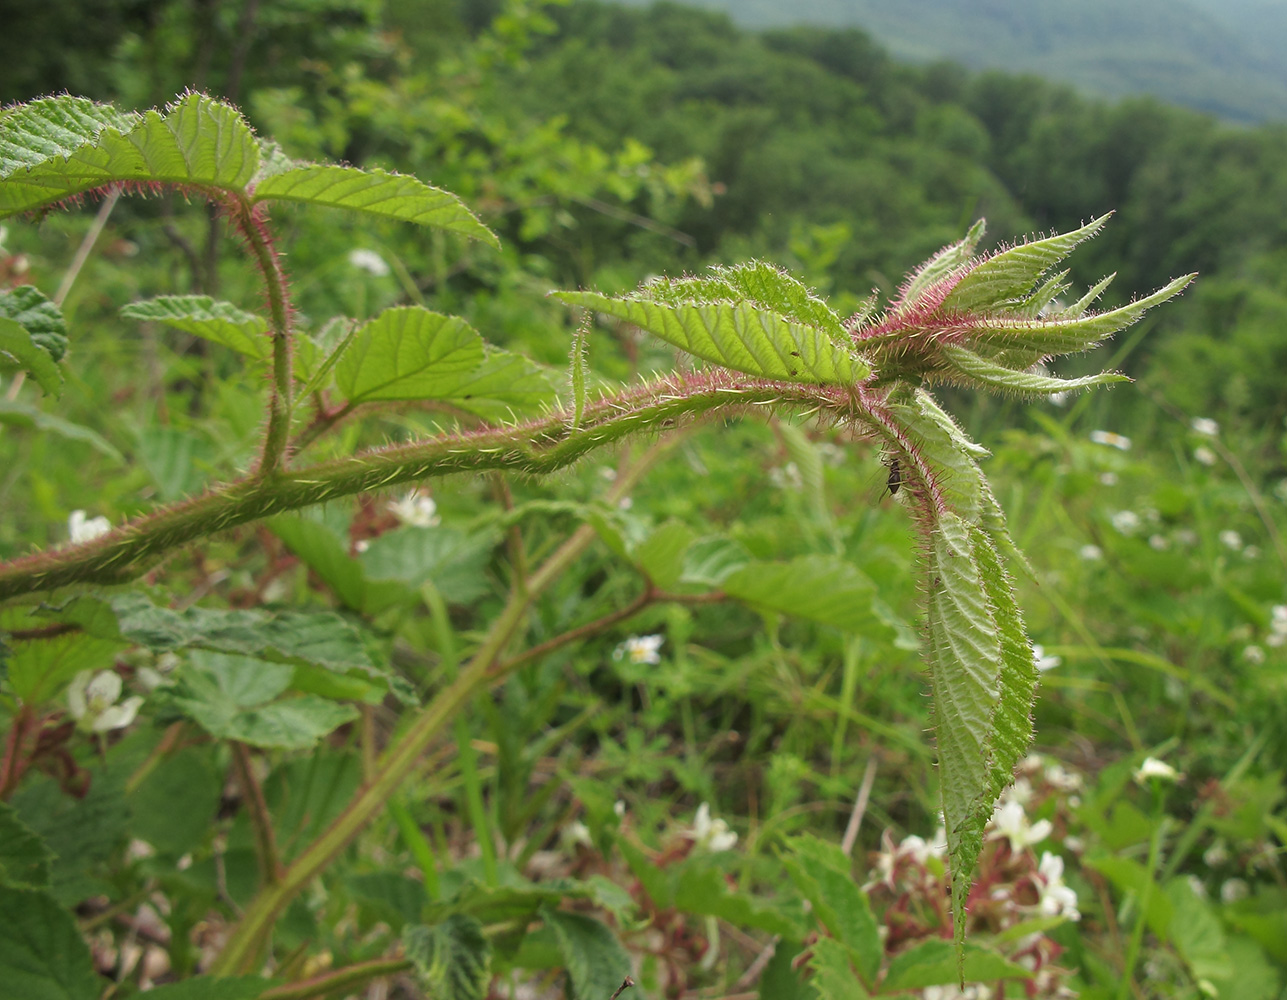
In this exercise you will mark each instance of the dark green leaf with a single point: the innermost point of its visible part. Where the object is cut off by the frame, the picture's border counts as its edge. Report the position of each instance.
(453, 958)
(833, 974)
(407, 353)
(40, 668)
(175, 806)
(29, 307)
(24, 858)
(42, 955)
(596, 962)
(22, 352)
(823, 874)
(934, 963)
(209, 988)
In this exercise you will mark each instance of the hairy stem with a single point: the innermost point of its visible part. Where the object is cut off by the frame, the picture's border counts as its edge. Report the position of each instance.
(245, 946)
(261, 820)
(537, 447)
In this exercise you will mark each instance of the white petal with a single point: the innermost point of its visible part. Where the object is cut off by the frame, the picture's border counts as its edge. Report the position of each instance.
(118, 716)
(76, 701)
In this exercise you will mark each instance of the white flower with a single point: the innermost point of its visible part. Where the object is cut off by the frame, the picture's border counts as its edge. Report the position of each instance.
(1230, 539)
(711, 834)
(1197, 885)
(920, 850)
(1159, 543)
(619, 807)
(83, 529)
(1091, 553)
(1011, 822)
(1043, 661)
(1204, 455)
(1062, 779)
(1108, 479)
(1154, 768)
(1186, 537)
(625, 503)
(1205, 426)
(640, 649)
(1020, 791)
(1254, 654)
(576, 834)
(1127, 522)
(1233, 890)
(1216, 855)
(1057, 899)
(91, 699)
(1119, 441)
(369, 261)
(1276, 639)
(1251, 552)
(416, 509)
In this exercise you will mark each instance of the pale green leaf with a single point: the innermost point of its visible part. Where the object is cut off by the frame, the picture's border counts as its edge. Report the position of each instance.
(503, 386)
(1196, 933)
(375, 192)
(33, 133)
(196, 142)
(42, 955)
(935, 963)
(580, 369)
(200, 315)
(32, 310)
(818, 588)
(455, 561)
(737, 336)
(453, 959)
(1082, 304)
(710, 561)
(40, 668)
(982, 372)
(407, 353)
(661, 554)
(596, 962)
(24, 858)
(965, 664)
(939, 267)
(940, 443)
(1128, 876)
(1006, 276)
(20, 350)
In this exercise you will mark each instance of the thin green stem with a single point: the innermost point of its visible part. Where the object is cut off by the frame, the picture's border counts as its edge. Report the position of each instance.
(1146, 896)
(261, 820)
(536, 447)
(251, 934)
(340, 979)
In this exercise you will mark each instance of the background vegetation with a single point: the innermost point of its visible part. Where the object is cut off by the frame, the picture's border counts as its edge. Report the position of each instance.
(606, 144)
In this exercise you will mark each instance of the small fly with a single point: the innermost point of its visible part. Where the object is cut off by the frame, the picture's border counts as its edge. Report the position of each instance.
(895, 480)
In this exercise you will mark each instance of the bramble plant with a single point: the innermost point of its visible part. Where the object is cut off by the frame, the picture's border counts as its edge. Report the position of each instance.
(267, 681)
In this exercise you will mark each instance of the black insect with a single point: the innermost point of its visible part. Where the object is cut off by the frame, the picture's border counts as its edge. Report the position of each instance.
(895, 480)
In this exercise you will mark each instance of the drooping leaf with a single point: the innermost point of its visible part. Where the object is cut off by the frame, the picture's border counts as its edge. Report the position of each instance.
(236, 698)
(741, 337)
(596, 962)
(407, 353)
(18, 349)
(196, 142)
(24, 858)
(453, 958)
(1021, 383)
(934, 963)
(823, 589)
(965, 663)
(200, 315)
(42, 955)
(375, 192)
(1009, 274)
(32, 310)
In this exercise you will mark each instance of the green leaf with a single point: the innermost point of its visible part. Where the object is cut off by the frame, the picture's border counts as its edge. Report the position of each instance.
(24, 858)
(504, 386)
(200, 315)
(823, 874)
(17, 345)
(939, 267)
(375, 192)
(42, 955)
(176, 805)
(965, 663)
(322, 551)
(580, 369)
(34, 133)
(710, 561)
(596, 962)
(32, 310)
(179, 461)
(1196, 933)
(16, 413)
(231, 697)
(941, 445)
(391, 896)
(453, 958)
(1129, 876)
(210, 988)
(407, 353)
(661, 554)
(833, 976)
(455, 561)
(738, 336)
(701, 890)
(1010, 273)
(40, 668)
(934, 963)
(991, 375)
(196, 142)
(823, 589)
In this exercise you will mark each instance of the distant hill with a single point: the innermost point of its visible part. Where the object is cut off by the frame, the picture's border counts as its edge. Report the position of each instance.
(1224, 57)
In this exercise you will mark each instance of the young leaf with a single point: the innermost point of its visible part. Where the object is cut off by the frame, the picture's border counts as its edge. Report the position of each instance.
(938, 267)
(740, 337)
(661, 554)
(24, 858)
(1000, 279)
(594, 958)
(42, 955)
(17, 345)
(988, 374)
(197, 142)
(28, 306)
(453, 958)
(407, 353)
(200, 315)
(375, 192)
